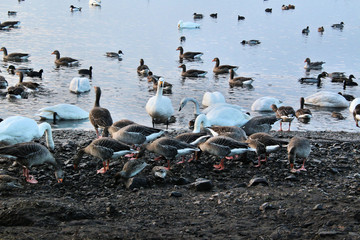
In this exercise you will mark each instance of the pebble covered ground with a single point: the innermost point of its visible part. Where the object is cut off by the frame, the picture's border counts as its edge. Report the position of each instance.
(194, 201)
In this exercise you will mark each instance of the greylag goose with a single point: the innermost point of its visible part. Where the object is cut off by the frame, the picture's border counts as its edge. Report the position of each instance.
(218, 69)
(131, 168)
(228, 131)
(15, 92)
(264, 143)
(99, 116)
(182, 39)
(142, 68)
(30, 154)
(87, 72)
(321, 29)
(193, 139)
(3, 83)
(312, 65)
(337, 115)
(298, 147)
(116, 126)
(170, 148)
(8, 183)
(239, 81)
(14, 56)
(356, 114)
(35, 73)
(30, 85)
(104, 148)
(10, 24)
(64, 61)
(159, 107)
(284, 113)
(241, 17)
(18, 129)
(198, 16)
(303, 114)
(223, 147)
(259, 124)
(188, 55)
(338, 25)
(306, 30)
(192, 72)
(75, 9)
(114, 54)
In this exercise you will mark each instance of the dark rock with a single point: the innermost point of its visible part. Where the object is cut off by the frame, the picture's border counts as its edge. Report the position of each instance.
(323, 233)
(318, 207)
(258, 180)
(202, 185)
(175, 194)
(181, 181)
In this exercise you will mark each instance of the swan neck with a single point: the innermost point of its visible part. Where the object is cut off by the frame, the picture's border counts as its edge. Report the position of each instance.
(201, 120)
(45, 127)
(196, 106)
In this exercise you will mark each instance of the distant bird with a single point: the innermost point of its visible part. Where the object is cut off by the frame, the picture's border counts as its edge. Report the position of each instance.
(191, 72)
(104, 148)
(347, 96)
(35, 73)
(74, 9)
(285, 114)
(95, 3)
(338, 25)
(241, 17)
(114, 54)
(159, 107)
(269, 10)
(30, 85)
(337, 76)
(337, 115)
(189, 25)
(284, 7)
(312, 65)
(298, 147)
(188, 55)
(17, 57)
(306, 30)
(3, 83)
(239, 81)
(99, 117)
(316, 80)
(79, 85)
(153, 78)
(142, 68)
(321, 29)
(12, 13)
(87, 72)
(302, 113)
(290, 6)
(213, 15)
(356, 114)
(18, 129)
(223, 147)
(250, 42)
(219, 69)
(131, 168)
(30, 154)
(347, 81)
(198, 16)
(64, 61)
(182, 39)
(10, 24)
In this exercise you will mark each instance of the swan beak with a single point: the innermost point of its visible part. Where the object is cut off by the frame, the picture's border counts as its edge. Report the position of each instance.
(60, 180)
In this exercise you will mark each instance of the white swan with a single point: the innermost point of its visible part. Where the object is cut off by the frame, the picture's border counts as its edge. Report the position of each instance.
(225, 116)
(159, 107)
(263, 104)
(211, 98)
(353, 104)
(95, 2)
(63, 112)
(79, 85)
(18, 129)
(326, 99)
(182, 24)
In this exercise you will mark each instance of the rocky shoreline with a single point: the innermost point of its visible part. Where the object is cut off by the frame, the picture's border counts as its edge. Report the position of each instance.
(240, 202)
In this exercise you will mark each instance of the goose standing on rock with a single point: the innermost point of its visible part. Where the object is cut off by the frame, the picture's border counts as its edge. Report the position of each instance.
(30, 85)
(99, 117)
(142, 69)
(219, 69)
(104, 148)
(30, 154)
(239, 81)
(303, 114)
(17, 57)
(313, 65)
(188, 55)
(192, 72)
(159, 107)
(18, 129)
(87, 72)
(223, 147)
(64, 61)
(284, 113)
(298, 147)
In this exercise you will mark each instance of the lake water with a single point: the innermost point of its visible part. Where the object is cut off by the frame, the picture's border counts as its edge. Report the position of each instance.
(148, 30)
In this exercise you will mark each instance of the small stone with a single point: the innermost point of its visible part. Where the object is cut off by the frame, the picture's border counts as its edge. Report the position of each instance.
(318, 207)
(258, 180)
(202, 185)
(181, 181)
(327, 233)
(266, 206)
(291, 177)
(175, 194)
(334, 170)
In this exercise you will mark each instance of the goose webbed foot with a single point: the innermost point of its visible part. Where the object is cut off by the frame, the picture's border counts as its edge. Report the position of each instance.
(31, 179)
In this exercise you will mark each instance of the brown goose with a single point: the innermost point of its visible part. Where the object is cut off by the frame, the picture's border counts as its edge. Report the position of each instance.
(35, 73)
(104, 148)
(303, 114)
(193, 139)
(284, 113)
(312, 65)
(142, 68)
(30, 85)
(99, 117)
(298, 147)
(239, 81)
(218, 69)
(223, 147)
(30, 154)
(64, 61)
(14, 56)
(188, 55)
(356, 114)
(170, 148)
(259, 124)
(116, 126)
(228, 131)
(191, 72)
(264, 143)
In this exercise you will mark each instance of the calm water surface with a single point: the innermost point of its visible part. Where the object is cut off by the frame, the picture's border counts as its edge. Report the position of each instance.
(148, 30)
